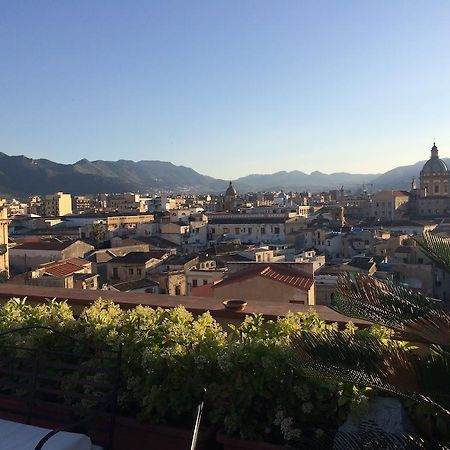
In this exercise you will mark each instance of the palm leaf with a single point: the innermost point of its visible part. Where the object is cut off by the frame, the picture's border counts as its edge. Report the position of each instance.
(364, 297)
(364, 360)
(437, 248)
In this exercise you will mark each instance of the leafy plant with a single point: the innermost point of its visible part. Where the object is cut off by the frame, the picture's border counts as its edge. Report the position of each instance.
(419, 371)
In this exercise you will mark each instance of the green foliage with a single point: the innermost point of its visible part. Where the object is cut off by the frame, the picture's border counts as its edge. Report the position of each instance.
(255, 388)
(417, 370)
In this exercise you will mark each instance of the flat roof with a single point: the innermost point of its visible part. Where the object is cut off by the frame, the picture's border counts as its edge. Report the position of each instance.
(196, 305)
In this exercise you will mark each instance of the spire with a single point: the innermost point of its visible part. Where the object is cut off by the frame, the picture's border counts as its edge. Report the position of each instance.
(434, 151)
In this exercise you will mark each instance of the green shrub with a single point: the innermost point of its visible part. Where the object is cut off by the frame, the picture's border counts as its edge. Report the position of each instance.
(253, 389)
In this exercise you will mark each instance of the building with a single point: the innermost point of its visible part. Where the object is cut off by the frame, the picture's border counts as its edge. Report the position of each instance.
(29, 255)
(267, 282)
(202, 277)
(73, 273)
(432, 199)
(132, 266)
(58, 204)
(389, 205)
(248, 228)
(144, 285)
(229, 203)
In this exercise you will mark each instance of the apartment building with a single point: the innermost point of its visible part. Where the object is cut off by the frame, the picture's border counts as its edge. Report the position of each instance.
(389, 205)
(267, 283)
(248, 228)
(58, 204)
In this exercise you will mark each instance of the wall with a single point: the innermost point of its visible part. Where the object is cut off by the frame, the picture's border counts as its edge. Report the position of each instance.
(22, 260)
(262, 289)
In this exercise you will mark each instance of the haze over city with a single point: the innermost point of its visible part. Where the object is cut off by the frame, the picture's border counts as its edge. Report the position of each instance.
(227, 88)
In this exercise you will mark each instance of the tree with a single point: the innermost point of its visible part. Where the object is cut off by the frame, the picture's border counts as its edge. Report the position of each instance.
(415, 365)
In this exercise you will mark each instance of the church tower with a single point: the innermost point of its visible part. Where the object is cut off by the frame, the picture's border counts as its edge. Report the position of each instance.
(434, 177)
(230, 198)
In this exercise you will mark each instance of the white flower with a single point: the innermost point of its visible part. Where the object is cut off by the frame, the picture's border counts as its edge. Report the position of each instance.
(286, 424)
(307, 407)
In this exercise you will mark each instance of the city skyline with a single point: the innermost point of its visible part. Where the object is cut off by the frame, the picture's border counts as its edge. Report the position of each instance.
(292, 87)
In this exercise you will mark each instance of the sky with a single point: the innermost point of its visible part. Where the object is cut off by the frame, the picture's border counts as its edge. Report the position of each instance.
(227, 87)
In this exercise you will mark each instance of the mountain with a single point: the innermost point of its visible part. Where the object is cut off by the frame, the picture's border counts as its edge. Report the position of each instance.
(401, 177)
(21, 176)
(300, 181)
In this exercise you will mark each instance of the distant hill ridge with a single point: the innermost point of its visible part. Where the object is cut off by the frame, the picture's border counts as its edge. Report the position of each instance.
(20, 176)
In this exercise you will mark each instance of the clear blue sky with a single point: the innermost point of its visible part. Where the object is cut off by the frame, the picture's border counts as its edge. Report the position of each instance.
(227, 87)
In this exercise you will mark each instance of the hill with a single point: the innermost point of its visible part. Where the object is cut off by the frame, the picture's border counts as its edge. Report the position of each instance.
(22, 176)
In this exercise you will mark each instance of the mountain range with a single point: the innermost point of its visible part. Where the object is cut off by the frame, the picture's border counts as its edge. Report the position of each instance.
(22, 176)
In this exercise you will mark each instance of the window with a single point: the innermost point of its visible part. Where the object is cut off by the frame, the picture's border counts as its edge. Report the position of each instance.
(131, 271)
(277, 230)
(205, 282)
(249, 230)
(237, 230)
(213, 231)
(177, 290)
(194, 283)
(436, 188)
(226, 230)
(263, 230)
(139, 271)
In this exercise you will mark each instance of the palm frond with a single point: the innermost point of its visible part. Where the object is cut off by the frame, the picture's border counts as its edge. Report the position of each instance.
(365, 360)
(371, 436)
(397, 307)
(437, 248)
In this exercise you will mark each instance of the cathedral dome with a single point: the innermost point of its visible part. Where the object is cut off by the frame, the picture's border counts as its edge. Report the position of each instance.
(231, 191)
(434, 164)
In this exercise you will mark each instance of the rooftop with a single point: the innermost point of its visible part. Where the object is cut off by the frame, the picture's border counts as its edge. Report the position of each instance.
(138, 257)
(64, 267)
(244, 219)
(44, 244)
(282, 274)
(137, 284)
(197, 305)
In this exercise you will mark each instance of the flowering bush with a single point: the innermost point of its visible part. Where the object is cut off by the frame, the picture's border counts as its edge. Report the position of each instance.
(253, 388)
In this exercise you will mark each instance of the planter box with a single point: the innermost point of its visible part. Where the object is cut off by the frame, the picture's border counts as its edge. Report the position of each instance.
(130, 434)
(232, 443)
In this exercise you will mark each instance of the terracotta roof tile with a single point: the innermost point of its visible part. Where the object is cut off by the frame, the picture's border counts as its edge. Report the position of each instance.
(65, 267)
(274, 272)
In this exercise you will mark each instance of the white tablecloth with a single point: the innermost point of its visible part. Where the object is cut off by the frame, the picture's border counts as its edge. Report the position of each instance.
(19, 436)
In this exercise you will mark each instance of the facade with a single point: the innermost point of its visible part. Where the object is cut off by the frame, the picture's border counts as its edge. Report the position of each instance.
(132, 266)
(267, 283)
(58, 204)
(389, 205)
(70, 273)
(30, 255)
(196, 278)
(432, 199)
(248, 228)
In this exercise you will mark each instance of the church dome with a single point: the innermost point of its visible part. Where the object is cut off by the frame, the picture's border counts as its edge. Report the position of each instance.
(231, 191)
(435, 164)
